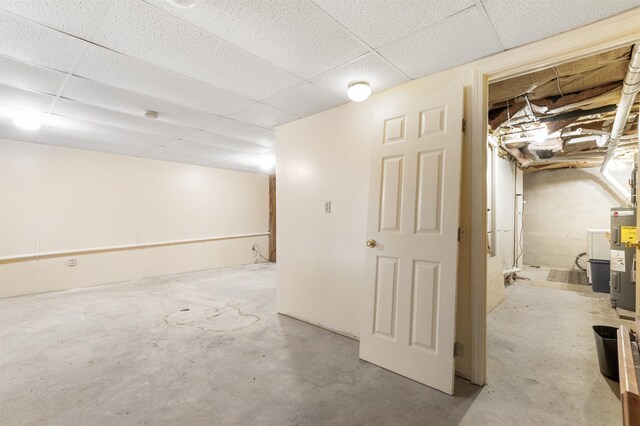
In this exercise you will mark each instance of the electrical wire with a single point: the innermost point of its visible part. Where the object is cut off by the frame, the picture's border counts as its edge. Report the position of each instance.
(258, 254)
(557, 80)
(520, 245)
(579, 257)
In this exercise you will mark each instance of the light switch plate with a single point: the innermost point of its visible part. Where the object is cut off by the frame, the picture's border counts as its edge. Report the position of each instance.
(327, 206)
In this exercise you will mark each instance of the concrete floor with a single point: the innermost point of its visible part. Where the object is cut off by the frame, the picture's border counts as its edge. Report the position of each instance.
(131, 354)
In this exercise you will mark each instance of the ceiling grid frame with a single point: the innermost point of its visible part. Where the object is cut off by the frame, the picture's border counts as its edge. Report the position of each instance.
(255, 121)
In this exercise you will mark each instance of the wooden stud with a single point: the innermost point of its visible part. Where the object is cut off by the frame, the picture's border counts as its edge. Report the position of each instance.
(272, 218)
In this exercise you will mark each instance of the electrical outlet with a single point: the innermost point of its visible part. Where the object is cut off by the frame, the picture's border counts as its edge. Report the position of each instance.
(72, 262)
(327, 206)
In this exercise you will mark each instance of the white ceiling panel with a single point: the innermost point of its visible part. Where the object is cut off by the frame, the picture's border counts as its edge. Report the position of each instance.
(522, 21)
(379, 22)
(264, 116)
(165, 154)
(25, 99)
(82, 111)
(240, 130)
(77, 17)
(128, 102)
(296, 35)
(304, 99)
(370, 67)
(30, 77)
(201, 152)
(122, 71)
(58, 125)
(140, 30)
(75, 140)
(225, 142)
(465, 36)
(37, 44)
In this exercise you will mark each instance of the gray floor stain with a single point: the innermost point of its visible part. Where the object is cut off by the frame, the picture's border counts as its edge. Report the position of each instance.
(227, 318)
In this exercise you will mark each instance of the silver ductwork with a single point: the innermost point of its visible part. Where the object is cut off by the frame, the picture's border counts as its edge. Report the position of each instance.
(630, 89)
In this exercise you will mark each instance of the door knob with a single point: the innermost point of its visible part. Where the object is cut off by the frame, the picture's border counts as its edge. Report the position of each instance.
(371, 243)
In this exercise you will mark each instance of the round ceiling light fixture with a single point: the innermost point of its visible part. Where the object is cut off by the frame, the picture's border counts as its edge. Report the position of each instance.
(184, 4)
(28, 120)
(358, 91)
(151, 114)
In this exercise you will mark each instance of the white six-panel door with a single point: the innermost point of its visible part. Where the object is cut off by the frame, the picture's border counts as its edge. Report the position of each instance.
(412, 260)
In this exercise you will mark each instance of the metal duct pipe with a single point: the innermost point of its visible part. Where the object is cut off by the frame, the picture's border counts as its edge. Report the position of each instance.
(629, 90)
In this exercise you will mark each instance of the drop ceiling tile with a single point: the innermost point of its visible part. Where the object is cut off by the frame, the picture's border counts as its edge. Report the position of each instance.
(519, 22)
(37, 44)
(165, 154)
(116, 99)
(93, 131)
(70, 139)
(225, 142)
(122, 71)
(201, 152)
(456, 40)
(370, 67)
(30, 77)
(240, 130)
(303, 99)
(381, 22)
(90, 113)
(140, 30)
(78, 17)
(264, 116)
(295, 35)
(25, 99)
(92, 143)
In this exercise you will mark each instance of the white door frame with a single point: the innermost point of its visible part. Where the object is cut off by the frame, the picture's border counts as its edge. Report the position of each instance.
(595, 38)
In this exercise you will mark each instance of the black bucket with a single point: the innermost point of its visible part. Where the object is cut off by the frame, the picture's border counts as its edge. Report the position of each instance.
(607, 347)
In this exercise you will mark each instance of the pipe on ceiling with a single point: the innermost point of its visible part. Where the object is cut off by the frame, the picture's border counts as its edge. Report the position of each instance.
(577, 114)
(630, 89)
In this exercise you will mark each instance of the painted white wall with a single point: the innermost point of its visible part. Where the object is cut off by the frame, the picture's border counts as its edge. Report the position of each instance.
(560, 206)
(54, 198)
(326, 157)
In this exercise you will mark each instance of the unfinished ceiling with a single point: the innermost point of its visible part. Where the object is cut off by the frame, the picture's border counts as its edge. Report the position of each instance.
(222, 74)
(562, 116)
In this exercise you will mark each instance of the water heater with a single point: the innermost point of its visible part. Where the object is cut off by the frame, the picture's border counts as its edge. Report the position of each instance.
(623, 258)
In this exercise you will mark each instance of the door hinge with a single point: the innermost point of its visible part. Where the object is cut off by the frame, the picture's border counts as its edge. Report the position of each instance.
(460, 231)
(458, 349)
(464, 125)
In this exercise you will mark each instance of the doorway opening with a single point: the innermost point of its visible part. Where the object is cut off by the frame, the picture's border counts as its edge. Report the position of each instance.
(561, 163)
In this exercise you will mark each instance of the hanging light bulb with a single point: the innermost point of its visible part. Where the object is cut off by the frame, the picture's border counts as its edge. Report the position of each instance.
(358, 91)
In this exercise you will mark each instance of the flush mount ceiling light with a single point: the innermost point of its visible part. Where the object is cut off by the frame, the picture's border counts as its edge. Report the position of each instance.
(151, 114)
(184, 4)
(358, 91)
(28, 120)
